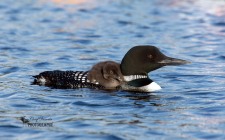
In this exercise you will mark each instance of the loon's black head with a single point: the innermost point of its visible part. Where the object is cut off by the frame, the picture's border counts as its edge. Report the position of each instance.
(140, 60)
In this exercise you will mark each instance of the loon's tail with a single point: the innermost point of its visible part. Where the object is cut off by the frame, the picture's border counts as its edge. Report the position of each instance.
(63, 79)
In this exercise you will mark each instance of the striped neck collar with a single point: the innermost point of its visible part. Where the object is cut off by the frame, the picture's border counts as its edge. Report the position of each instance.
(134, 77)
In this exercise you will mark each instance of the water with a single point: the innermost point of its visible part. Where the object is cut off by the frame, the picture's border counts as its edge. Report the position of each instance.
(73, 35)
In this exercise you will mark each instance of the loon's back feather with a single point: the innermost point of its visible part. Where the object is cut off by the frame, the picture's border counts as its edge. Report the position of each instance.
(64, 79)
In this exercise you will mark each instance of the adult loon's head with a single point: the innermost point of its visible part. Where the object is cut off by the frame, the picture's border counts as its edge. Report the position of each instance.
(140, 60)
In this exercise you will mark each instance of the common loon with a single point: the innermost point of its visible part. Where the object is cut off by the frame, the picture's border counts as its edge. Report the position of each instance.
(130, 75)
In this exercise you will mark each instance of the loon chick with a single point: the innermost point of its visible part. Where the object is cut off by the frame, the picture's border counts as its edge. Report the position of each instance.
(130, 75)
(138, 62)
(106, 75)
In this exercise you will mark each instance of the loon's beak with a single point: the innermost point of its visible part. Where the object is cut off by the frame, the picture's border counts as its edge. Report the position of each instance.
(173, 61)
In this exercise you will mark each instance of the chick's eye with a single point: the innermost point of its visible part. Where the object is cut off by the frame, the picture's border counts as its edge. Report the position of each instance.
(150, 56)
(111, 72)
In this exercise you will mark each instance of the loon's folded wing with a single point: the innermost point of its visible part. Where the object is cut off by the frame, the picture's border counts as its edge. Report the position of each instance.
(64, 79)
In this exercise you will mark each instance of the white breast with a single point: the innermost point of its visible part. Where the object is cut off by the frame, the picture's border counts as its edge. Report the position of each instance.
(147, 88)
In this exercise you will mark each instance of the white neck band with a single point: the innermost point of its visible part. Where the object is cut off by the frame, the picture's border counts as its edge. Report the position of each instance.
(134, 77)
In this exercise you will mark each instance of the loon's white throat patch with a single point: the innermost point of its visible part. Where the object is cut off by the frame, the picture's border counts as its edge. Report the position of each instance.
(134, 77)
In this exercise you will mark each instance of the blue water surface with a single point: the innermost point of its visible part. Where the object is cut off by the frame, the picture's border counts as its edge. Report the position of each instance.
(42, 35)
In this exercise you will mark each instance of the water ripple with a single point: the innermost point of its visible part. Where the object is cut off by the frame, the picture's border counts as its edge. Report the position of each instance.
(9, 70)
(41, 64)
(56, 34)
